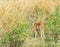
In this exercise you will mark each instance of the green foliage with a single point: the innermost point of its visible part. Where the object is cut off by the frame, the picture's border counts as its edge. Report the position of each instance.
(21, 30)
(37, 13)
(16, 37)
(52, 27)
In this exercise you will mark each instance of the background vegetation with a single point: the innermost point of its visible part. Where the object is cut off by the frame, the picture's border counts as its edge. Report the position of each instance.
(16, 27)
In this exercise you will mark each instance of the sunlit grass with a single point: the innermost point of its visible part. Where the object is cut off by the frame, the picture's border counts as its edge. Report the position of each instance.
(14, 15)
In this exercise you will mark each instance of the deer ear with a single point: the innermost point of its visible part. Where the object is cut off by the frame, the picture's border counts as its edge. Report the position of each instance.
(34, 23)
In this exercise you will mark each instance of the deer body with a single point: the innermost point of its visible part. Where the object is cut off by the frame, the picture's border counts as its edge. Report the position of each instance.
(39, 29)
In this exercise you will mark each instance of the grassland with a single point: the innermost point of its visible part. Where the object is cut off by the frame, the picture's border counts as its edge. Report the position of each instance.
(16, 26)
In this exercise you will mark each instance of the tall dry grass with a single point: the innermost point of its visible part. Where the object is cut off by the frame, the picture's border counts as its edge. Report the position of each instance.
(17, 10)
(12, 11)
